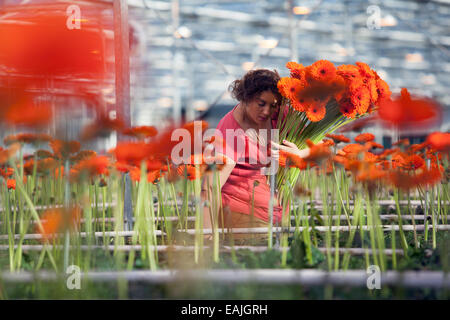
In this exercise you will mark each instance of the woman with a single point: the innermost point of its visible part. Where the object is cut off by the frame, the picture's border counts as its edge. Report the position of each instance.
(245, 191)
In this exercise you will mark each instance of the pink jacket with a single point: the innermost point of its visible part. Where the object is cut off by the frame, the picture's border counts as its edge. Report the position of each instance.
(237, 190)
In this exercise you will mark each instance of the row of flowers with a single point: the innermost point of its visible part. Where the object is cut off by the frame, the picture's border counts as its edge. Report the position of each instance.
(404, 166)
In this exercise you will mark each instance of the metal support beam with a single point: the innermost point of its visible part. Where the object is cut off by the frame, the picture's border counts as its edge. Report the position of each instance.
(122, 61)
(122, 65)
(293, 46)
(176, 60)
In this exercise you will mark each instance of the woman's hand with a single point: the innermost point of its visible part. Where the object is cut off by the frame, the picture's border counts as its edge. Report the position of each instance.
(291, 148)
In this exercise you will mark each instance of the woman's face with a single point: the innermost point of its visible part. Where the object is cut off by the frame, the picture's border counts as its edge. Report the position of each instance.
(261, 108)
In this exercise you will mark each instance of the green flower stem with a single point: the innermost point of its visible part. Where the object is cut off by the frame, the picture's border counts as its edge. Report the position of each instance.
(20, 188)
(403, 242)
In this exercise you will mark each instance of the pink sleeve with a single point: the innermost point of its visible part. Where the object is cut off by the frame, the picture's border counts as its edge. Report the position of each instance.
(231, 141)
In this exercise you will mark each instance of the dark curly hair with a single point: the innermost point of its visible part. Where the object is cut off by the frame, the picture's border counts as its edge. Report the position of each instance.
(254, 83)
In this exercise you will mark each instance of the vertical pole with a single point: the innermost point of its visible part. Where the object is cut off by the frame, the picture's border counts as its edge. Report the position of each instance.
(349, 28)
(122, 61)
(122, 68)
(176, 60)
(293, 46)
(271, 203)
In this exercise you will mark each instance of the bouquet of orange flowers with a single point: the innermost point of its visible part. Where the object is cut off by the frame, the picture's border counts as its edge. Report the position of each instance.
(319, 99)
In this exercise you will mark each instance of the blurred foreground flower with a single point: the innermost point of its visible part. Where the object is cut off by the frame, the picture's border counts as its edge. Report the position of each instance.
(59, 220)
(11, 184)
(439, 141)
(406, 111)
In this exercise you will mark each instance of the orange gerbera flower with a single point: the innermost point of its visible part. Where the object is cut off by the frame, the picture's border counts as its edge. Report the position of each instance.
(27, 138)
(141, 132)
(191, 171)
(373, 145)
(6, 173)
(338, 87)
(369, 173)
(28, 167)
(360, 98)
(386, 153)
(292, 65)
(6, 154)
(316, 112)
(402, 142)
(292, 160)
(365, 70)
(216, 161)
(63, 149)
(412, 162)
(11, 184)
(299, 106)
(417, 147)
(131, 152)
(101, 128)
(122, 167)
(383, 92)
(370, 157)
(83, 155)
(354, 148)
(347, 108)
(52, 221)
(439, 141)
(406, 181)
(42, 154)
(153, 176)
(322, 70)
(365, 137)
(297, 70)
(328, 142)
(46, 165)
(290, 87)
(337, 138)
(317, 152)
(57, 220)
(92, 166)
(368, 78)
(348, 71)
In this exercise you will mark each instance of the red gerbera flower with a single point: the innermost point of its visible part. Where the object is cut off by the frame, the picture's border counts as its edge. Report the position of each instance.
(316, 112)
(11, 184)
(383, 91)
(365, 137)
(63, 149)
(141, 132)
(337, 138)
(322, 70)
(348, 71)
(347, 108)
(360, 98)
(297, 70)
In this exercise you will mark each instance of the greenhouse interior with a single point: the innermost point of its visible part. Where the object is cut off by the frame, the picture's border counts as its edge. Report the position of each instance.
(225, 149)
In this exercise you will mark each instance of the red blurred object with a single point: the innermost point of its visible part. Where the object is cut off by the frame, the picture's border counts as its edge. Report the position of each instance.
(409, 112)
(38, 43)
(439, 141)
(51, 49)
